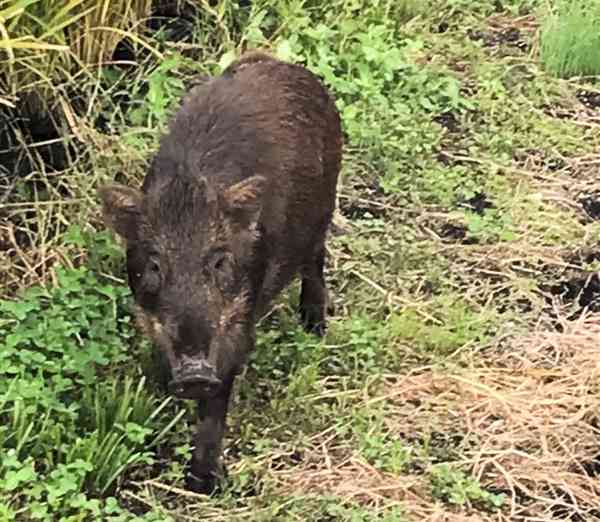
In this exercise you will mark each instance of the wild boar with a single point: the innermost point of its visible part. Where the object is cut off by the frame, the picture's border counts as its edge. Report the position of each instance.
(235, 204)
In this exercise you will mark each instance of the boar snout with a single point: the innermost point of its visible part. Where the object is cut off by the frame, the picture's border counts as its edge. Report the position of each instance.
(195, 378)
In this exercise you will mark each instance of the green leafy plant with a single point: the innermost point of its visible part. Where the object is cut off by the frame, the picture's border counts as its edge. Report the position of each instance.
(164, 90)
(453, 324)
(494, 225)
(454, 486)
(378, 445)
(370, 67)
(61, 408)
(102, 252)
(356, 346)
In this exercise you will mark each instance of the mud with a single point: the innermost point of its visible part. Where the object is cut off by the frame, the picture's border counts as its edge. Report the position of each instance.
(493, 39)
(478, 203)
(591, 99)
(591, 205)
(449, 121)
(581, 292)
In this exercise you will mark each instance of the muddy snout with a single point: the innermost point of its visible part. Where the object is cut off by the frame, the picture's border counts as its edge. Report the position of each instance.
(194, 379)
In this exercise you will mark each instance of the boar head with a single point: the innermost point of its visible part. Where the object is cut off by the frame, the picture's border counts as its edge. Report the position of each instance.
(189, 247)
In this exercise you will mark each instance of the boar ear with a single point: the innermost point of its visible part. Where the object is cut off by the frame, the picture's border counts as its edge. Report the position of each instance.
(121, 209)
(244, 200)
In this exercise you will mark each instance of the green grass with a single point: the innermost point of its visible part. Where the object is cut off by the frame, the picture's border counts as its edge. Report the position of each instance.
(569, 39)
(424, 282)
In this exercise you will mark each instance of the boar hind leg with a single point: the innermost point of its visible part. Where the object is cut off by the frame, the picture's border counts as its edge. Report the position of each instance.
(313, 297)
(206, 469)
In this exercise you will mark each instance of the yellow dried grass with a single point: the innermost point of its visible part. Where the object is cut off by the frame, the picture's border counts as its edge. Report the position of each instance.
(528, 416)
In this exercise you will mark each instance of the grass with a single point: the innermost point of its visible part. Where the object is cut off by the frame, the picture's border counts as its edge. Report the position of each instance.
(458, 376)
(49, 43)
(570, 38)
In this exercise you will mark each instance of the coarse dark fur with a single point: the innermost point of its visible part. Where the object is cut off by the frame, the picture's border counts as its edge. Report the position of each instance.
(236, 203)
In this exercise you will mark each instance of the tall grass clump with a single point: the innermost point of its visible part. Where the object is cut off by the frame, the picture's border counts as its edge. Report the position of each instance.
(44, 43)
(570, 39)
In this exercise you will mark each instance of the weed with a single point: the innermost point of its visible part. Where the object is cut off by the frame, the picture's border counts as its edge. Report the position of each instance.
(453, 486)
(164, 90)
(66, 36)
(452, 324)
(380, 91)
(488, 7)
(61, 407)
(353, 347)
(492, 227)
(380, 447)
(333, 509)
(102, 252)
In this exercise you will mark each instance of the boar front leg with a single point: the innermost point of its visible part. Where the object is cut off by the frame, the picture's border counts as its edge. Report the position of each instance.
(313, 297)
(206, 469)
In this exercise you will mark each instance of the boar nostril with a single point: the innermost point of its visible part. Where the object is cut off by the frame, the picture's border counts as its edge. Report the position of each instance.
(194, 388)
(194, 379)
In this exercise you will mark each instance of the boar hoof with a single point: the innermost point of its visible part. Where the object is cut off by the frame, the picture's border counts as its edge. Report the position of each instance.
(204, 484)
(317, 328)
(314, 320)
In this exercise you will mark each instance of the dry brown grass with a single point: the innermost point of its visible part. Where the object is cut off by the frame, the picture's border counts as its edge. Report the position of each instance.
(527, 415)
(32, 229)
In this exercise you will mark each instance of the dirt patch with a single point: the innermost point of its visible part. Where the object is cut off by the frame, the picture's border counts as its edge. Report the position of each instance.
(477, 203)
(362, 209)
(539, 160)
(581, 292)
(453, 232)
(591, 468)
(510, 36)
(584, 256)
(442, 27)
(555, 164)
(364, 202)
(448, 120)
(506, 32)
(446, 159)
(560, 113)
(591, 205)
(591, 99)
(285, 461)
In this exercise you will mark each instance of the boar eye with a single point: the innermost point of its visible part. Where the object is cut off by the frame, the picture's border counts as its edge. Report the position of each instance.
(220, 266)
(151, 281)
(220, 262)
(153, 266)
